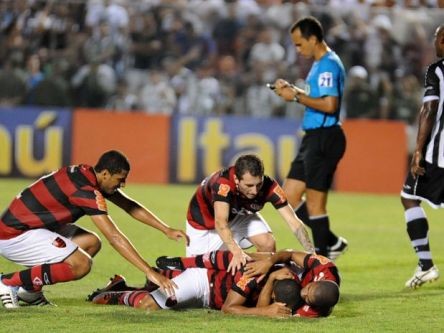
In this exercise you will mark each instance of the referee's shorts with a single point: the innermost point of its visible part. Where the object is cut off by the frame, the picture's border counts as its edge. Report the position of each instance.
(319, 154)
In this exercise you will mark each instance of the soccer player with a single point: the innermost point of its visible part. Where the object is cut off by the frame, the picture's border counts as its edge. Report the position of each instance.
(425, 180)
(308, 285)
(37, 229)
(317, 275)
(223, 212)
(323, 144)
(207, 288)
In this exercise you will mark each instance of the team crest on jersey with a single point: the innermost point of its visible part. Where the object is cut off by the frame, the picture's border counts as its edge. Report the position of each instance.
(243, 282)
(100, 201)
(326, 79)
(223, 190)
(58, 242)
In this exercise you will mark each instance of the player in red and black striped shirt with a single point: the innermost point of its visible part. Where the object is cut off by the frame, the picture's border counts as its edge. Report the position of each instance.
(223, 212)
(36, 229)
(317, 275)
(209, 288)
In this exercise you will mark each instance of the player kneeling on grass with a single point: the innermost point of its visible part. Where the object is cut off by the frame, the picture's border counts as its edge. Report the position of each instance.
(281, 292)
(37, 229)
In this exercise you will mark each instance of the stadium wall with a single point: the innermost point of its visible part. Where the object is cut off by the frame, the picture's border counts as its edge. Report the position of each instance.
(185, 149)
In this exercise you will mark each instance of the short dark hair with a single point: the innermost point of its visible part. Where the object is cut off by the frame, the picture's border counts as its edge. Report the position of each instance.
(325, 294)
(309, 26)
(288, 291)
(248, 163)
(114, 161)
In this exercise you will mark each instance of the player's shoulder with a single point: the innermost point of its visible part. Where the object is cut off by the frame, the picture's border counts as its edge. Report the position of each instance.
(434, 73)
(332, 59)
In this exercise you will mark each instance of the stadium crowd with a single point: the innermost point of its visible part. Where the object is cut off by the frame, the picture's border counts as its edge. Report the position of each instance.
(209, 57)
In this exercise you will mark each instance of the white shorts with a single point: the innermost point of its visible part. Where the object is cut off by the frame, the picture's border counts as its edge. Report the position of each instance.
(36, 247)
(193, 290)
(242, 227)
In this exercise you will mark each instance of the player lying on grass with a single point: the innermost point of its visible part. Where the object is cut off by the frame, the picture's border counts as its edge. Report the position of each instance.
(37, 230)
(277, 293)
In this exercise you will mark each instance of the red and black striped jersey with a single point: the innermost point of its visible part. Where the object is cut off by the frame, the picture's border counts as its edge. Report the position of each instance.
(58, 198)
(220, 186)
(316, 268)
(221, 282)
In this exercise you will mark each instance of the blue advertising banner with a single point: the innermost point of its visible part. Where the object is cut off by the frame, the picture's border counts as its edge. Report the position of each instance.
(202, 145)
(34, 141)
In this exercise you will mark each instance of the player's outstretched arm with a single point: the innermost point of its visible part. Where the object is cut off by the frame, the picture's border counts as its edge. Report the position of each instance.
(261, 267)
(297, 227)
(122, 245)
(234, 304)
(144, 215)
(221, 213)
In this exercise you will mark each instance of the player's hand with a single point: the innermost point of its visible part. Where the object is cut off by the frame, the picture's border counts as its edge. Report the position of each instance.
(177, 235)
(259, 267)
(415, 166)
(281, 274)
(163, 282)
(278, 309)
(239, 259)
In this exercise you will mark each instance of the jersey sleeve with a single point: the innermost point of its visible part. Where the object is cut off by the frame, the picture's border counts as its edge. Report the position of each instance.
(307, 311)
(328, 78)
(243, 285)
(431, 84)
(221, 191)
(91, 201)
(276, 195)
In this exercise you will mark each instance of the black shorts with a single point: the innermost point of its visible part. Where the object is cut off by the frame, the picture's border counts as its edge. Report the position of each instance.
(429, 188)
(319, 154)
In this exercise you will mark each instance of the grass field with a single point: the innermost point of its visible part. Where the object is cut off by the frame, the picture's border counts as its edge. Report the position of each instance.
(374, 269)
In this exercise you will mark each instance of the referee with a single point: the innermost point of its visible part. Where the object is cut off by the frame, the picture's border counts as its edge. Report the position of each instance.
(323, 145)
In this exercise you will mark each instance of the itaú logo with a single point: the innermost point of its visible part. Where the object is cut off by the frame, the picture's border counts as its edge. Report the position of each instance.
(32, 149)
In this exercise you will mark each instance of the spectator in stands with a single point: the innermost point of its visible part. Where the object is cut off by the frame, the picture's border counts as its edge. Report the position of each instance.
(359, 97)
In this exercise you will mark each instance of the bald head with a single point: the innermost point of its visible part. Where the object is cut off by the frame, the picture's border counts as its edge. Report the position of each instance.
(439, 41)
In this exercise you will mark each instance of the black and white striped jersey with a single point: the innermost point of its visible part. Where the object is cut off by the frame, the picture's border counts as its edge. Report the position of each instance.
(434, 90)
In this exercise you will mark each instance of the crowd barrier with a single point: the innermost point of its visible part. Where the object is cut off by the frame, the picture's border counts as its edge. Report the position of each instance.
(185, 149)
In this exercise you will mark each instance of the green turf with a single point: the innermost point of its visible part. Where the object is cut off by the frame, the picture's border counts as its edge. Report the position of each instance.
(373, 272)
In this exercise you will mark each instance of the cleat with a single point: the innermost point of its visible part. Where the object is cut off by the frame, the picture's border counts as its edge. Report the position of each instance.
(420, 277)
(336, 250)
(170, 263)
(107, 298)
(8, 296)
(116, 283)
(34, 298)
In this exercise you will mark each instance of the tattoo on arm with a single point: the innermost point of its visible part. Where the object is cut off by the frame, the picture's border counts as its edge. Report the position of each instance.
(302, 235)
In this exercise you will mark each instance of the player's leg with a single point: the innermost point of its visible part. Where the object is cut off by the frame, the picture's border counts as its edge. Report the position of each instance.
(217, 260)
(252, 230)
(202, 241)
(193, 291)
(414, 190)
(87, 240)
(51, 259)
